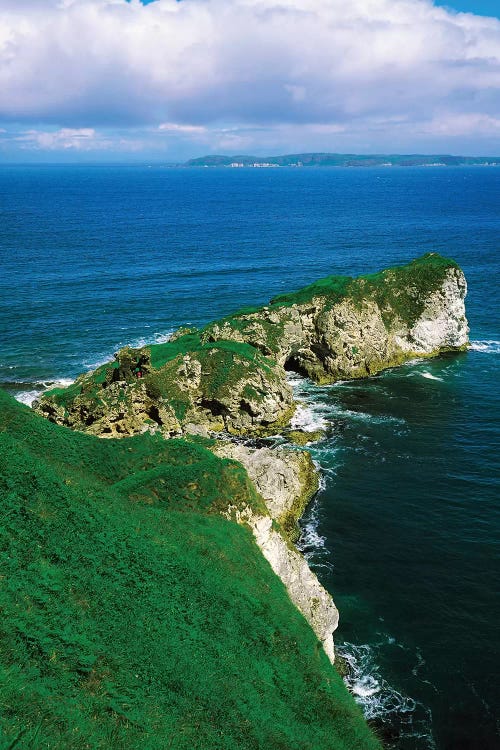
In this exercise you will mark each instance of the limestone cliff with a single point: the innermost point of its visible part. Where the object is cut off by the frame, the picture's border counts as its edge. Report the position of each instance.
(285, 478)
(341, 328)
(302, 585)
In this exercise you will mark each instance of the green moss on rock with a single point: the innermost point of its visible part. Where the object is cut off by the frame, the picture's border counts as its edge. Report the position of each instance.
(400, 291)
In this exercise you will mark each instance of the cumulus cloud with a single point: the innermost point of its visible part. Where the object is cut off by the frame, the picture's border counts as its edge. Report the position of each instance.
(324, 67)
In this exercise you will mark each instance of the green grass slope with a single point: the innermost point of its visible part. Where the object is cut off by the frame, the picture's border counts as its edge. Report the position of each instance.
(134, 616)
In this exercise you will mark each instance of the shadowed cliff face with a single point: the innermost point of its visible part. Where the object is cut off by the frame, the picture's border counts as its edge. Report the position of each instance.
(231, 376)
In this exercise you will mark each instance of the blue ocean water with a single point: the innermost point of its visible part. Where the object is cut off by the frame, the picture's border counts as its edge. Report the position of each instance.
(405, 531)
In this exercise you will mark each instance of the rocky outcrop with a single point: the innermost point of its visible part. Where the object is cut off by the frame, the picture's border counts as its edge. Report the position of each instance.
(187, 387)
(303, 587)
(285, 478)
(231, 375)
(341, 328)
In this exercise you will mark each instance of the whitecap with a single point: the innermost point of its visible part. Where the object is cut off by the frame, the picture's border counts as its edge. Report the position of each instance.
(310, 414)
(339, 411)
(377, 698)
(489, 346)
(61, 383)
(311, 543)
(27, 397)
(308, 419)
(429, 376)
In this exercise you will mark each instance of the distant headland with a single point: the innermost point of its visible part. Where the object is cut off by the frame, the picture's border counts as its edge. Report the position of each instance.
(344, 160)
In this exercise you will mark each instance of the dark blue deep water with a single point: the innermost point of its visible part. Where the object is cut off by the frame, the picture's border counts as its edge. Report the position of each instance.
(405, 532)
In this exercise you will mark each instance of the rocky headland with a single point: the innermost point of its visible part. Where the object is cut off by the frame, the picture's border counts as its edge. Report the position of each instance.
(225, 386)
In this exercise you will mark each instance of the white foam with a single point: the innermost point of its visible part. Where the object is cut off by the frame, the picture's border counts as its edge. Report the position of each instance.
(61, 383)
(338, 412)
(27, 397)
(311, 543)
(489, 346)
(311, 538)
(159, 337)
(377, 698)
(429, 376)
(306, 418)
(309, 415)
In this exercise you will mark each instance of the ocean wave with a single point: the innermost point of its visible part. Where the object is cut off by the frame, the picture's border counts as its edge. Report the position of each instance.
(159, 337)
(311, 543)
(365, 417)
(489, 346)
(308, 419)
(310, 413)
(26, 393)
(27, 397)
(380, 701)
(429, 376)
(315, 413)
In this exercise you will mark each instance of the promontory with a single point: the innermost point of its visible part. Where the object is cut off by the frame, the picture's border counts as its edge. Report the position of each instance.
(152, 592)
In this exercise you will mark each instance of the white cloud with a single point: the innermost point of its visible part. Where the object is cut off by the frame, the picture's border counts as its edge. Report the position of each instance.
(73, 139)
(80, 139)
(463, 125)
(322, 67)
(173, 127)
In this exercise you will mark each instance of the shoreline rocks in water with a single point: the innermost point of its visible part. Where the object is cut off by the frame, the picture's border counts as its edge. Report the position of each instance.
(230, 379)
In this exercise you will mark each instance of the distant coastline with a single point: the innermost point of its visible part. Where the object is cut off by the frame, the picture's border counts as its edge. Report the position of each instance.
(343, 160)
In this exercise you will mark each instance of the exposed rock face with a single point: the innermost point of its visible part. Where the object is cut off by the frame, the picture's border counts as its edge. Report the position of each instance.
(303, 587)
(286, 479)
(343, 328)
(213, 388)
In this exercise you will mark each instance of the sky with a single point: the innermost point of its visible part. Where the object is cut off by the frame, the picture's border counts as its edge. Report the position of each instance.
(164, 81)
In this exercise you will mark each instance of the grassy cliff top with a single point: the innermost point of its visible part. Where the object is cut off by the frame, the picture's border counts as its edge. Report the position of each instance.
(133, 615)
(400, 290)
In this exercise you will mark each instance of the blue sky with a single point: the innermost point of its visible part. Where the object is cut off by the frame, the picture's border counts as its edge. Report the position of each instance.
(482, 7)
(120, 80)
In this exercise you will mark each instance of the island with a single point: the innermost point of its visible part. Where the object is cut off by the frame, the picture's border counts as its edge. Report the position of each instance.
(343, 160)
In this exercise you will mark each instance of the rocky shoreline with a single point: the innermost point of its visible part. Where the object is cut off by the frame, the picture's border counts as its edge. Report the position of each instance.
(225, 386)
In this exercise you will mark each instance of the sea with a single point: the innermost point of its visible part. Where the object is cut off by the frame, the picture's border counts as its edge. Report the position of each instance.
(405, 529)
